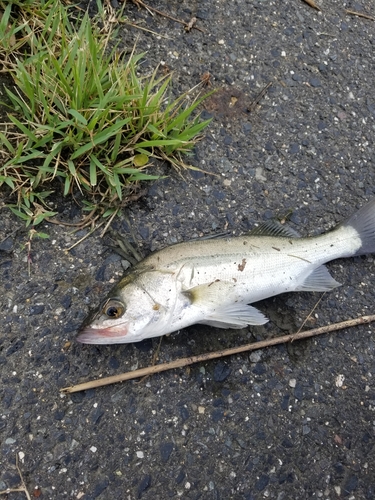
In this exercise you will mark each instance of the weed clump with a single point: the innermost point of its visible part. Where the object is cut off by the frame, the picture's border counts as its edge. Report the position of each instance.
(80, 112)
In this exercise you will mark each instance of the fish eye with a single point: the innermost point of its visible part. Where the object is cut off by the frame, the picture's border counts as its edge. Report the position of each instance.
(113, 309)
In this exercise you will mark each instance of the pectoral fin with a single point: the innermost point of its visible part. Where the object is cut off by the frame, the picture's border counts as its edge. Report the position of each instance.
(318, 281)
(210, 297)
(209, 294)
(235, 316)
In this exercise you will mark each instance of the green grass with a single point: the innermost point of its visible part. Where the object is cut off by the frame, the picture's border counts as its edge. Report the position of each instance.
(80, 111)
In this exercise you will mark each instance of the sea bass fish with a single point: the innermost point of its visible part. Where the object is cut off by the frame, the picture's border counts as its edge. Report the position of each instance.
(213, 281)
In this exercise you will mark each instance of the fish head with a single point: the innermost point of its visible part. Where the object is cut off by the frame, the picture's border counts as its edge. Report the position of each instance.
(129, 314)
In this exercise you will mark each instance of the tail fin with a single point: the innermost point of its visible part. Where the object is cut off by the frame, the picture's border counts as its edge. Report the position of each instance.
(363, 222)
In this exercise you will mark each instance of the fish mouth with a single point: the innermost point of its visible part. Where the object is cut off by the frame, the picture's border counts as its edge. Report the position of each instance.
(90, 335)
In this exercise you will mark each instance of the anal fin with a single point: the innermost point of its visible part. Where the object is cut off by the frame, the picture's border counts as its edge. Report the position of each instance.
(318, 280)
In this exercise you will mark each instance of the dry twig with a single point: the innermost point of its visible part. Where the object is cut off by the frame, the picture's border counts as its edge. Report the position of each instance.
(155, 357)
(259, 97)
(312, 4)
(359, 14)
(22, 486)
(178, 363)
(188, 26)
(310, 313)
(87, 235)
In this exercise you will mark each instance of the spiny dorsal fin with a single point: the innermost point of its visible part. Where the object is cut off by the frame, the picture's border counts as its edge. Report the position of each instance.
(274, 228)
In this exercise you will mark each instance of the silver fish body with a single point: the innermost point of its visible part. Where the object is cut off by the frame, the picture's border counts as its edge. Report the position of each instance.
(213, 281)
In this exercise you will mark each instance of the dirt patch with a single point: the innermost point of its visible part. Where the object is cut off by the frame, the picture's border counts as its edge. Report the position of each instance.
(228, 103)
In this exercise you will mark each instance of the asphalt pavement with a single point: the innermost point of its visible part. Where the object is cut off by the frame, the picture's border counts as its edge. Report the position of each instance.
(294, 421)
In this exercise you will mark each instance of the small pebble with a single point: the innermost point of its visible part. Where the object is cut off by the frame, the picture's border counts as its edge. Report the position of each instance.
(96, 415)
(259, 369)
(100, 487)
(298, 392)
(315, 82)
(221, 372)
(144, 485)
(294, 148)
(217, 415)
(165, 451)
(180, 477)
(6, 245)
(259, 174)
(306, 430)
(340, 380)
(350, 484)
(184, 413)
(255, 356)
(262, 482)
(37, 309)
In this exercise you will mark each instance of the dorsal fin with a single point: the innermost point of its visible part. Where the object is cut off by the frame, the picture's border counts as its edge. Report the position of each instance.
(274, 228)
